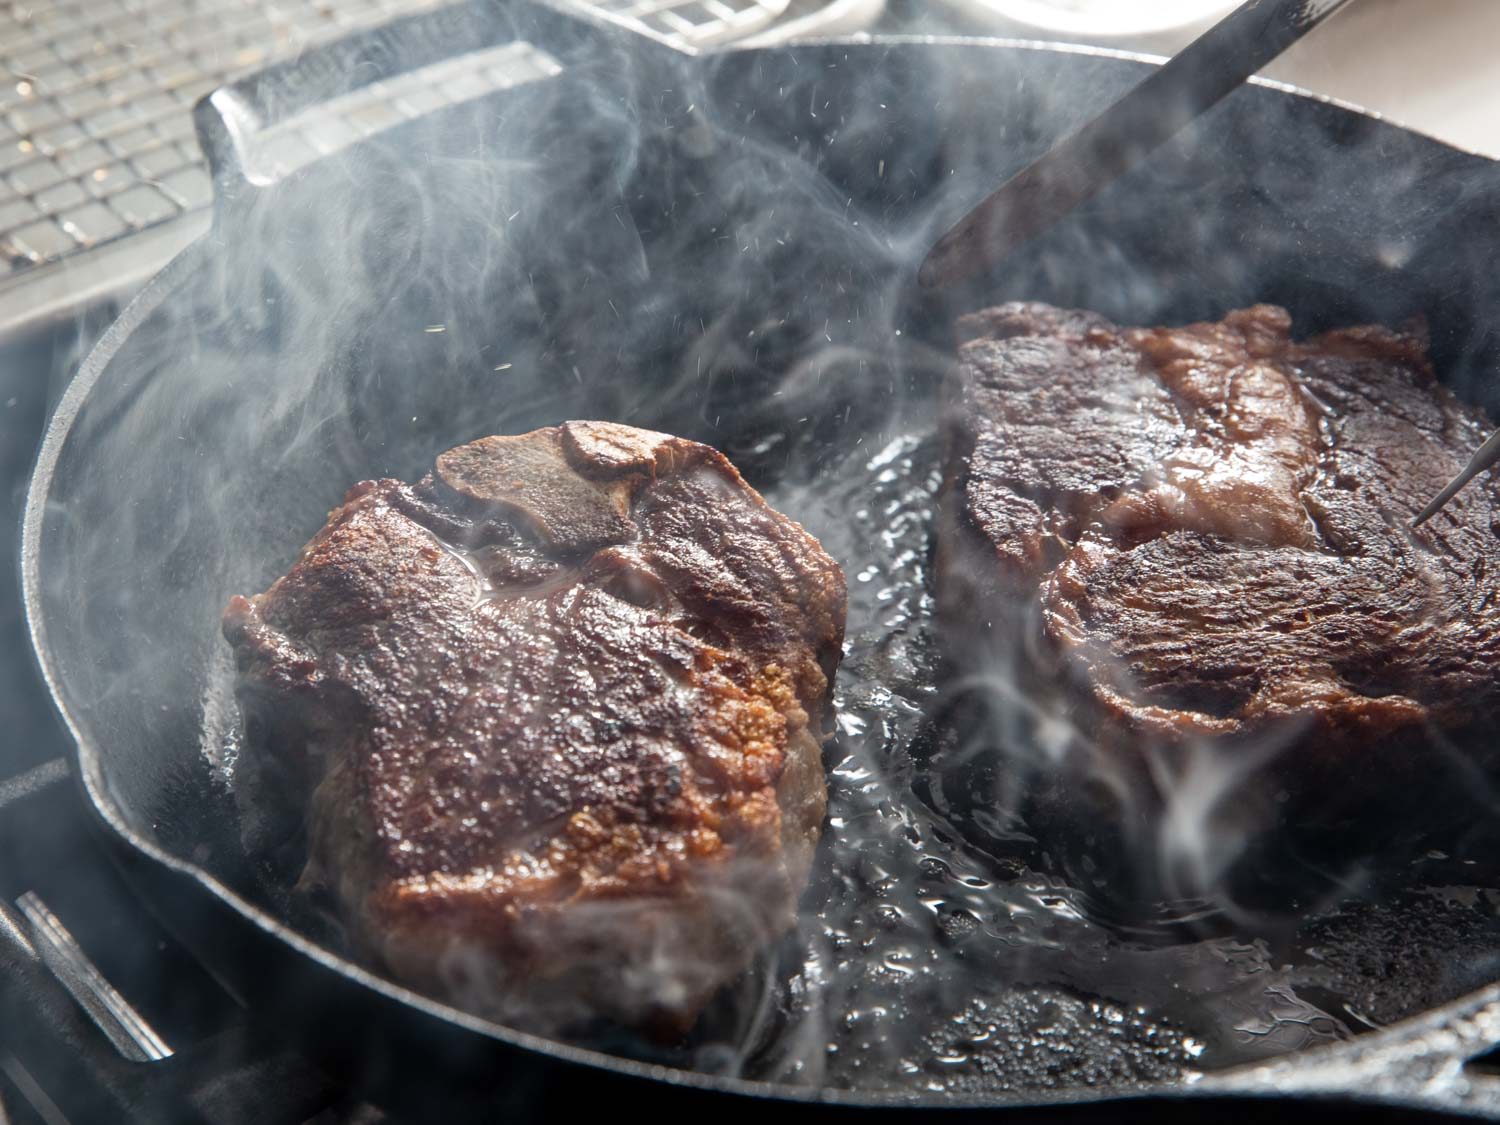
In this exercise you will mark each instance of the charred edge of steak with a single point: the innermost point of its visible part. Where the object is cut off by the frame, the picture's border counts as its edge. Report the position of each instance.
(554, 713)
(1199, 536)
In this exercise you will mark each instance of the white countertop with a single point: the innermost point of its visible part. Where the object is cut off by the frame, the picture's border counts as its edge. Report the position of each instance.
(1433, 65)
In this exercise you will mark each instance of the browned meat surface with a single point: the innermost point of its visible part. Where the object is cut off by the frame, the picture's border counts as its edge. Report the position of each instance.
(554, 713)
(1202, 533)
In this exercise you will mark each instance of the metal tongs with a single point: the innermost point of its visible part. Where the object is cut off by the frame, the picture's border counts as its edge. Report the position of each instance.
(1086, 161)
(1484, 457)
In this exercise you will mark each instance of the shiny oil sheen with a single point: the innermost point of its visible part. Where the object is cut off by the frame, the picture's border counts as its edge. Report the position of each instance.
(938, 957)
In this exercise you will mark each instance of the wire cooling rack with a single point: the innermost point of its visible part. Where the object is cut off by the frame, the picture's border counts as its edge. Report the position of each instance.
(101, 178)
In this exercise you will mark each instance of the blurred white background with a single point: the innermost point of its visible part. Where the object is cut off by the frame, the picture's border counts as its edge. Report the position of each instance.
(1431, 64)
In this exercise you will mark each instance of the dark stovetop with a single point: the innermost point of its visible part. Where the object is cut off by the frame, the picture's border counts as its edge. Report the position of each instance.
(56, 1064)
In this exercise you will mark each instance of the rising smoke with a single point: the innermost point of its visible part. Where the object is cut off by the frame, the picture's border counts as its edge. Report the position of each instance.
(724, 249)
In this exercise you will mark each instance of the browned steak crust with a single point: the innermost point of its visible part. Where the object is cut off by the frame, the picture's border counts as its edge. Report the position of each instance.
(555, 714)
(1202, 533)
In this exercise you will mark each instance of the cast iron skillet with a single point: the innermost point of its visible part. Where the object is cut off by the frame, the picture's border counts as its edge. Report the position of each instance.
(672, 242)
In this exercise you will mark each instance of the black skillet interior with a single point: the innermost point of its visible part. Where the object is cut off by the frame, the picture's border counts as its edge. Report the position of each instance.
(721, 248)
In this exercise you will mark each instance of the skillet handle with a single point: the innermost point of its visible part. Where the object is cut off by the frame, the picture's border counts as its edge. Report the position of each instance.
(229, 120)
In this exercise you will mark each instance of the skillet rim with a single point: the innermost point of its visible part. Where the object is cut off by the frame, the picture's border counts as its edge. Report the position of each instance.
(1257, 1080)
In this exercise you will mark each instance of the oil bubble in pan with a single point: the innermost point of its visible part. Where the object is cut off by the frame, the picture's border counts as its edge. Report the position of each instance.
(938, 950)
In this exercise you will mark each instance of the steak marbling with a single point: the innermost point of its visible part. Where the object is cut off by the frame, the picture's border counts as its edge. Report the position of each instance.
(554, 714)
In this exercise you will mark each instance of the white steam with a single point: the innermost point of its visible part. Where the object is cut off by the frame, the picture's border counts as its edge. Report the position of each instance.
(722, 249)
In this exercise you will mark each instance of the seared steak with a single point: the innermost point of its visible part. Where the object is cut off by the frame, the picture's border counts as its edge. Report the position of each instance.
(554, 714)
(1201, 535)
